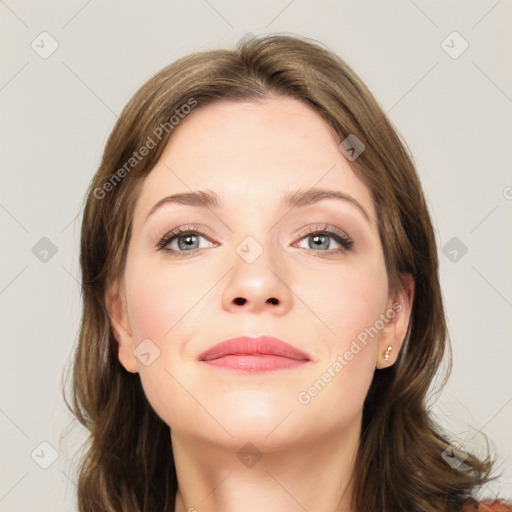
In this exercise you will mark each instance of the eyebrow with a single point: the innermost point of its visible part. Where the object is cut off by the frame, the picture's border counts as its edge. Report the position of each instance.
(295, 199)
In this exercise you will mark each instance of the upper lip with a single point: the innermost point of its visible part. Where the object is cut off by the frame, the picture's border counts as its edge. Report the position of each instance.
(253, 345)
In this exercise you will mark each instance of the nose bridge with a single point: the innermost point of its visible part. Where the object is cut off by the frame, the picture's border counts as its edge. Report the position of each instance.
(252, 230)
(256, 254)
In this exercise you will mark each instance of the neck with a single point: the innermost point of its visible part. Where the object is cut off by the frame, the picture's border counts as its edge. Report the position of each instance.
(311, 476)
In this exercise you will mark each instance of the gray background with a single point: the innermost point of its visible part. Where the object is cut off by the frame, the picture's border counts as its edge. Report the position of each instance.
(454, 114)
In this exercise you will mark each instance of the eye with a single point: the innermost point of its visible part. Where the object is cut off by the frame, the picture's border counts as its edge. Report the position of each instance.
(183, 240)
(319, 239)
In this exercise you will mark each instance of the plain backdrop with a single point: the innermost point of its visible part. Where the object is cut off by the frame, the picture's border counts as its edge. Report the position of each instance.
(69, 67)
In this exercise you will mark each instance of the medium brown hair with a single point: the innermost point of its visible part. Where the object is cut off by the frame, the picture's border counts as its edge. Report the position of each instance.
(129, 463)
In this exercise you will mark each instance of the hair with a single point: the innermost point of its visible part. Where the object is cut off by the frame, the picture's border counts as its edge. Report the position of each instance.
(129, 464)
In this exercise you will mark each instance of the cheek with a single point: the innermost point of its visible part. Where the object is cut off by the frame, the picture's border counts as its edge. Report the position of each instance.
(161, 301)
(161, 308)
(349, 301)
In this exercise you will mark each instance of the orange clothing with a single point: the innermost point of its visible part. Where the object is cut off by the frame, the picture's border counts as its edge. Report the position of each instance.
(488, 506)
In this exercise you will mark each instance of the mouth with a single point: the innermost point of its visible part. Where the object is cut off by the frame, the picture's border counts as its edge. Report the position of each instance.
(254, 355)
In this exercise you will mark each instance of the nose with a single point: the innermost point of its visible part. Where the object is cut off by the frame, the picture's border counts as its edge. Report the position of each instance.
(257, 285)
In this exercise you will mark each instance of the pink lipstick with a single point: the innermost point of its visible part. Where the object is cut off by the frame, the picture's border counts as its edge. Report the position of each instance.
(254, 355)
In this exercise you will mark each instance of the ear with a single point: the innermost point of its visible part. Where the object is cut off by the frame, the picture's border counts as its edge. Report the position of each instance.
(116, 305)
(398, 313)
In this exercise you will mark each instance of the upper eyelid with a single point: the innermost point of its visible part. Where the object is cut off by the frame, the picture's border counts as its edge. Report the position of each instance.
(201, 231)
(312, 228)
(182, 231)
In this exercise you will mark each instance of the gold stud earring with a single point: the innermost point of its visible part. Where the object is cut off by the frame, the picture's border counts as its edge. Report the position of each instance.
(388, 350)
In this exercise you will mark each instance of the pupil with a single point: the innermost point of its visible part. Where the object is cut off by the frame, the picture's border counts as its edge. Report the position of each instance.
(188, 240)
(318, 237)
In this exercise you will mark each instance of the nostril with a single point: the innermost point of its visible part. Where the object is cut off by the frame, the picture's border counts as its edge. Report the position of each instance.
(240, 301)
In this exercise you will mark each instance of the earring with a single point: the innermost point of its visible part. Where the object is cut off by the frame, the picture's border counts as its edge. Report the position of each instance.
(388, 350)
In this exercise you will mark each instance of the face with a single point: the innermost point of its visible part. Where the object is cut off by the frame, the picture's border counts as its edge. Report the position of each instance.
(321, 264)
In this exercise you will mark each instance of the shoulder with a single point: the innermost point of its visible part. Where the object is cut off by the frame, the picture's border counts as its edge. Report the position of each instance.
(488, 506)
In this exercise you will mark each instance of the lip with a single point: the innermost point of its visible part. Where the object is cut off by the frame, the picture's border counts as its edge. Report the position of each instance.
(254, 354)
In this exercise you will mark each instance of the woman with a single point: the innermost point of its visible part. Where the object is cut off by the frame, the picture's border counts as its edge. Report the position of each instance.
(284, 362)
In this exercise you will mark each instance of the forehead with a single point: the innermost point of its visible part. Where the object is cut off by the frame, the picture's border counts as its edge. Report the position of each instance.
(249, 153)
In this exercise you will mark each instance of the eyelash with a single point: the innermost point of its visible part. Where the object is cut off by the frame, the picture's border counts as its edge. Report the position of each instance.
(324, 229)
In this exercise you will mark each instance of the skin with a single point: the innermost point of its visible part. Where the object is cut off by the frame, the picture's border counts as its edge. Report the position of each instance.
(250, 154)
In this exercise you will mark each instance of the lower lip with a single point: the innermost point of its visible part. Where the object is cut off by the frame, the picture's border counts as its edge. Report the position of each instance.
(255, 363)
